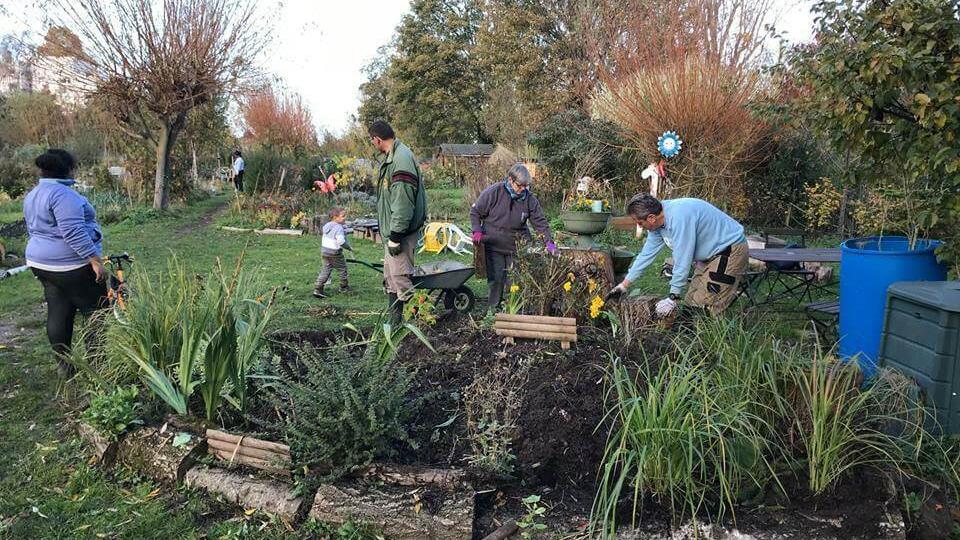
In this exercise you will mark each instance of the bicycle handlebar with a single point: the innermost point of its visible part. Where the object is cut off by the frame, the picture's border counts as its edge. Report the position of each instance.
(123, 257)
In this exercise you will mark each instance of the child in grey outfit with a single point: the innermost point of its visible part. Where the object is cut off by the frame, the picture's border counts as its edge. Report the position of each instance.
(333, 243)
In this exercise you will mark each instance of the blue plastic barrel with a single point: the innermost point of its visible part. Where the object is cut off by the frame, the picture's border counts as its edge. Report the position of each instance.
(867, 267)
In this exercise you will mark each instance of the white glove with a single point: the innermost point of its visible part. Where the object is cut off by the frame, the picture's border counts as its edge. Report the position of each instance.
(666, 307)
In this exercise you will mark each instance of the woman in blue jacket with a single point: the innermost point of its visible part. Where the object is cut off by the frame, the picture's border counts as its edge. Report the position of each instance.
(64, 249)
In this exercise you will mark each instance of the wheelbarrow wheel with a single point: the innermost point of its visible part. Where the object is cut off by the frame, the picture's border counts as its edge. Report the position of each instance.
(461, 299)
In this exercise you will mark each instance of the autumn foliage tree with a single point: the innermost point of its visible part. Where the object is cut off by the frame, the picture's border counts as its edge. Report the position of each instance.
(156, 60)
(278, 121)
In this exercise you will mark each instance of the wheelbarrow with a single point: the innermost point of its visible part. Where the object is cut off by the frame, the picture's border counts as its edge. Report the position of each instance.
(446, 278)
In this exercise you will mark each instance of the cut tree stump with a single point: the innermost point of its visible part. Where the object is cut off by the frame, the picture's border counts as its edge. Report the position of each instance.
(152, 454)
(267, 495)
(104, 449)
(402, 514)
(560, 329)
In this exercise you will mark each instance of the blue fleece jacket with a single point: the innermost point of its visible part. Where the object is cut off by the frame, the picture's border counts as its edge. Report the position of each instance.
(694, 230)
(62, 225)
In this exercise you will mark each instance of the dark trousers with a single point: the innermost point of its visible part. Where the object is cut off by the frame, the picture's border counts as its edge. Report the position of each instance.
(330, 263)
(498, 267)
(66, 293)
(238, 181)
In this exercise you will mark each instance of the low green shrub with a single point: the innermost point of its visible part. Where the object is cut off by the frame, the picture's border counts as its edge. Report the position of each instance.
(113, 413)
(340, 408)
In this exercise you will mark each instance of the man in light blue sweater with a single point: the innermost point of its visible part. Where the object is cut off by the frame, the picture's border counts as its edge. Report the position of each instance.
(697, 232)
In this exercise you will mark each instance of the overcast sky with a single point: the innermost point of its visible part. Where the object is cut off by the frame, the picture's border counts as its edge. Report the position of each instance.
(320, 46)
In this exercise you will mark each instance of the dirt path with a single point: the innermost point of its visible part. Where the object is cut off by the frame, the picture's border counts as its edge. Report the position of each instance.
(204, 221)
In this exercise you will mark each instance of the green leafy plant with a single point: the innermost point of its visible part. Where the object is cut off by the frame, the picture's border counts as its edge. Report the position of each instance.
(530, 524)
(113, 413)
(420, 309)
(181, 334)
(514, 302)
(341, 407)
(912, 502)
(492, 404)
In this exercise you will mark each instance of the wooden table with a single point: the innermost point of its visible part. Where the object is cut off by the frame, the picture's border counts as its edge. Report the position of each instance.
(796, 255)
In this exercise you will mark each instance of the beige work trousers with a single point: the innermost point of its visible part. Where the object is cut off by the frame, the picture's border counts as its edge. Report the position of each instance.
(715, 284)
(397, 270)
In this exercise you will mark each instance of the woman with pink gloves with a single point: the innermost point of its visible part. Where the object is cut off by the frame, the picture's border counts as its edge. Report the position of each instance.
(499, 219)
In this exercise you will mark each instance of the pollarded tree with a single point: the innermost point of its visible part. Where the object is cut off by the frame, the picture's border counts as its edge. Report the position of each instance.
(156, 60)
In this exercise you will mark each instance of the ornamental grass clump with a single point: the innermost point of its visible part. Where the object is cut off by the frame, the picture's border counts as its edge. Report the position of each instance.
(181, 333)
(731, 411)
(695, 433)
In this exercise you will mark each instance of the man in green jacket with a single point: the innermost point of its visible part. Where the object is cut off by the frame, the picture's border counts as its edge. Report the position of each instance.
(401, 210)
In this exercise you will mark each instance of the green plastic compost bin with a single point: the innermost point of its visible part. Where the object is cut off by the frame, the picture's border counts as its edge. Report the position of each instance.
(921, 338)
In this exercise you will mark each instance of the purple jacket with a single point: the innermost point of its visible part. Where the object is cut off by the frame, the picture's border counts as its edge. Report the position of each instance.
(62, 225)
(503, 218)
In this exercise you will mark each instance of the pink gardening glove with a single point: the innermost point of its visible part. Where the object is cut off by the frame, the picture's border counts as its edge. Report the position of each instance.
(477, 237)
(551, 248)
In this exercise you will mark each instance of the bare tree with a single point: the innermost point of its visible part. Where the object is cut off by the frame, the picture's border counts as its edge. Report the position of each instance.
(156, 60)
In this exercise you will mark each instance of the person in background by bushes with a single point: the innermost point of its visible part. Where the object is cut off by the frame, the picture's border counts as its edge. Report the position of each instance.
(64, 250)
(238, 168)
(499, 218)
(696, 232)
(332, 245)
(401, 211)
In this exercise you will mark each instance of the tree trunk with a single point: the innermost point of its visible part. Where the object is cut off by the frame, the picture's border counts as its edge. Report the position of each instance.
(401, 513)
(161, 189)
(193, 169)
(165, 140)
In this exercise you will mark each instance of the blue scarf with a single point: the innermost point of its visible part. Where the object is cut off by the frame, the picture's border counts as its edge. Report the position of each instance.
(513, 194)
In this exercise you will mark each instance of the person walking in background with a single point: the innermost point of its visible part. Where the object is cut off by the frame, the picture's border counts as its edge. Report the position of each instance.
(696, 232)
(499, 219)
(64, 250)
(332, 245)
(401, 211)
(238, 168)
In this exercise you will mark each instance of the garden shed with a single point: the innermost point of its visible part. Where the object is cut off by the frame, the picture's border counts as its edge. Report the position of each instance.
(456, 154)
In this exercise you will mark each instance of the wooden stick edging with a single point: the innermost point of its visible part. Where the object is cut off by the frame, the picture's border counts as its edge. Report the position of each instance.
(535, 335)
(248, 451)
(240, 459)
(248, 441)
(537, 319)
(534, 327)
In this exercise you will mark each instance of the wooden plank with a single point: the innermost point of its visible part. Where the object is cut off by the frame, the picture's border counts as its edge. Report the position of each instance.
(535, 335)
(623, 223)
(565, 321)
(248, 441)
(533, 327)
(249, 451)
